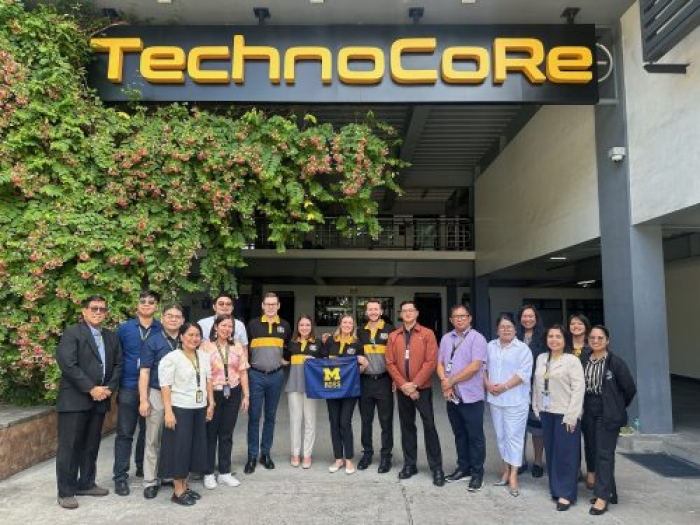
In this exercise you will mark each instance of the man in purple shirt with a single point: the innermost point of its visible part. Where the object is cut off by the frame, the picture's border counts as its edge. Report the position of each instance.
(461, 371)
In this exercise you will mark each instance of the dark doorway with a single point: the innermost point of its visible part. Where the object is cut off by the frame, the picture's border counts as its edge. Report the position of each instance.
(429, 307)
(287, 307)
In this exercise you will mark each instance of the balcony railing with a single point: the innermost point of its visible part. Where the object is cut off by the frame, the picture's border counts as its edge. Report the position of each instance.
(397, 234)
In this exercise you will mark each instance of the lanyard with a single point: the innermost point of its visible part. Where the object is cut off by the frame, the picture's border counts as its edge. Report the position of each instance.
(195, 365)
(456, 345)
(546, 374)
(167, 339)
(224, 359)
(144, 334)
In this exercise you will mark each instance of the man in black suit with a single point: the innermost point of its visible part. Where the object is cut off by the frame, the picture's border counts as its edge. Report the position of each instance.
(90, 359)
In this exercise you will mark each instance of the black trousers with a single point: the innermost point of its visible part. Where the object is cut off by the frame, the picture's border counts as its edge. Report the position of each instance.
(220, 430)
(79, 436)
(377, 393)
(340, 419)
(409, 432)
(467, 421)
(599, 444)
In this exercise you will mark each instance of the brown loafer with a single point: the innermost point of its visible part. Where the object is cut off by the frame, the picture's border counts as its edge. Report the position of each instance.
(69, 502)
(92, 491)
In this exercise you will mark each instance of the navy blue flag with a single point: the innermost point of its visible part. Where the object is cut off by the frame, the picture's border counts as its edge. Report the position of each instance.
(332, 378)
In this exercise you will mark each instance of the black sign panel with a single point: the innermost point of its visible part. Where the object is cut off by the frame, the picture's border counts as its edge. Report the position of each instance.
(363, 64)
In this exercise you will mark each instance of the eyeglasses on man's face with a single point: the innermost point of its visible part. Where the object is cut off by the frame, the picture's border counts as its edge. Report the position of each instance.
(98, 309)
(408, 310)
(147, 301)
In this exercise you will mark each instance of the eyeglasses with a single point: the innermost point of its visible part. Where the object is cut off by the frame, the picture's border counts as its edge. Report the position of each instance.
(172, 316)
(98, 309)
(270, 304)
(149, 302)
(408, 310)
(224, 303)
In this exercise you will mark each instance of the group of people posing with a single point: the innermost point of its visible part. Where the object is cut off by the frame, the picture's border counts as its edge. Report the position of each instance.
(189, 381)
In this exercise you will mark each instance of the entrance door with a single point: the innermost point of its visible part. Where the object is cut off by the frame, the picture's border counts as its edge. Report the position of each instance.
(429, 307)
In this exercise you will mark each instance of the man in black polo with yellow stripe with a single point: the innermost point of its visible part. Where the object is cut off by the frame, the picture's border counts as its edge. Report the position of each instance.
(376, 387)
(267, 337)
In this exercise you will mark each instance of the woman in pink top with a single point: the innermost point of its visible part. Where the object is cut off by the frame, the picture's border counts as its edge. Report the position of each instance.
(229, 375)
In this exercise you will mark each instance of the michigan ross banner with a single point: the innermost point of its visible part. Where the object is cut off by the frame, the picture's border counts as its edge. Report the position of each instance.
(332, 378)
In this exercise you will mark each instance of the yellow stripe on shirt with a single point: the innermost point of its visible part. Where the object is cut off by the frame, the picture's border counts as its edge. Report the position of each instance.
(298, 359)
(276, 342)
(375, 349)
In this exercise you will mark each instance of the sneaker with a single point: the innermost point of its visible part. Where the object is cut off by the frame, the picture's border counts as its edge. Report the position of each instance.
(476, 483)
(229, 480)
(69, 502)
(92, 491)
(209, 481)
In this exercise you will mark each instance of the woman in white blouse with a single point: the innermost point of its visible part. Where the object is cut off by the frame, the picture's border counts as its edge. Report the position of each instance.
(507, 382)
(188, 400)
(557, 398)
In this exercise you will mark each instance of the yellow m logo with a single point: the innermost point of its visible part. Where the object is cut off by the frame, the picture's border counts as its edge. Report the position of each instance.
(331, 374)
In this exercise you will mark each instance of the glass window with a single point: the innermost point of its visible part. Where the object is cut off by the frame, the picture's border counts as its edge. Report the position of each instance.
(329, 309)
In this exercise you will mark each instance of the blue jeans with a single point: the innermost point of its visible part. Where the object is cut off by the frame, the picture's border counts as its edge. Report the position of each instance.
(265, 389)
(467, 421)
(127, 419)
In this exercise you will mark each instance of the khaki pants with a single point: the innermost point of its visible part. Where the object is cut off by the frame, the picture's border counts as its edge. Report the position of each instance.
(302, 413)
(154, 431)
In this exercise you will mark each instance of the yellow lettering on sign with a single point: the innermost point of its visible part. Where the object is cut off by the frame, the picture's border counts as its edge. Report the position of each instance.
(331, 374)
(478, 55)
(353, 76)
(241, 53)
(207, 76)
(399, 74)
(528, 66)
(116, 47)
(570, 65)
(163, 65)
(294, 54)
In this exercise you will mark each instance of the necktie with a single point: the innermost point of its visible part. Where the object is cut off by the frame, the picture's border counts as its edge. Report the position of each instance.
(101, 349)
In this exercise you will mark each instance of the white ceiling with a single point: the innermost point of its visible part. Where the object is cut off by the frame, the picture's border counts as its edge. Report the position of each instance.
(303, 12)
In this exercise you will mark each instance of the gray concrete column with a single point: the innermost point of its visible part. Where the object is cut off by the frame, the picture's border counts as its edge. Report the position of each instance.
(481, 306)
(634, 293)
(451, 299)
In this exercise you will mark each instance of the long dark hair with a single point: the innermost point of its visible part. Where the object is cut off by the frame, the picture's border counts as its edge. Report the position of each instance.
(297, 335)
(565, 334)
(217, 321)
(185, 327)
(538, 333)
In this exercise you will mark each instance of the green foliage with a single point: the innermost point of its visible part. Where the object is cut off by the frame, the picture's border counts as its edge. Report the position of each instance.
(97, 200)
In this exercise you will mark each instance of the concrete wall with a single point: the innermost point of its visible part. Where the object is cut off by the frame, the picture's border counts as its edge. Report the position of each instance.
(540, 194)
(663, 112)
(683, 308)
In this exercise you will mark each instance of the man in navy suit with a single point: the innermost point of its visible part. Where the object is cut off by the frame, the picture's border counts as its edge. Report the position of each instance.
(90, 359)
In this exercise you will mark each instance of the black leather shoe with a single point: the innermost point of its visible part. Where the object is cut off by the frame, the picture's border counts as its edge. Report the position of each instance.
(121, 487)
(612, 500)
(476, 483)
(364, 462)
(384, 465)
(457, 475)
(266, 461)
(563, 507)
(250, 465)
(522, 468)
(150, 492)
(183, 499)
(537, 471)
(192, 494)
(139, 471)
(598, 512)
(438, 477)
(407, 472)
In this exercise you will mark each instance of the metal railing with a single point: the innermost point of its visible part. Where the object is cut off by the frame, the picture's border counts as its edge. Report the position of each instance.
(452, 234)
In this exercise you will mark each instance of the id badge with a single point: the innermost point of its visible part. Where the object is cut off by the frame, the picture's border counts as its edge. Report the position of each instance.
(545, 400)
(407, 354)
(227, 391)
(200, 396)
(448, 367)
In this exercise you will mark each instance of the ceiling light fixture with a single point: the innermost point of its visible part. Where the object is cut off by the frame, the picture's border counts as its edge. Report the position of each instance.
(557, 258)
(469, 1)
(262, 14)
(316, 1)
(586, 284)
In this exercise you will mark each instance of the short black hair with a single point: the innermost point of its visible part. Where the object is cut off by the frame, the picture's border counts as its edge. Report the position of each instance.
(408, 301)
(149, 293)
(94, 298)
(505, 316)
(458, 306)
(224, 295)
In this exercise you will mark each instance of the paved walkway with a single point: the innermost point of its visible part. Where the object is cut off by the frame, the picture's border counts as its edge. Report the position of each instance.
(293, 495)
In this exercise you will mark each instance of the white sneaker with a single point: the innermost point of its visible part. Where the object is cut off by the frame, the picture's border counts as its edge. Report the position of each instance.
(209, 481)
(229, 480)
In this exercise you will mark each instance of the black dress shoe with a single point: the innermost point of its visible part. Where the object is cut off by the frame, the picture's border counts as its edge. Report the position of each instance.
(438, 477)
(150, 492)
(384, 465)
(266, 461)
(407, 472)
(192, 494)
(364, 462)
(121, 487)
(457, 475)
(183, 499)
(250, 465)
(562, 507)
(139, 471)
(537, 471)
(598, 512)
(613, 499)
